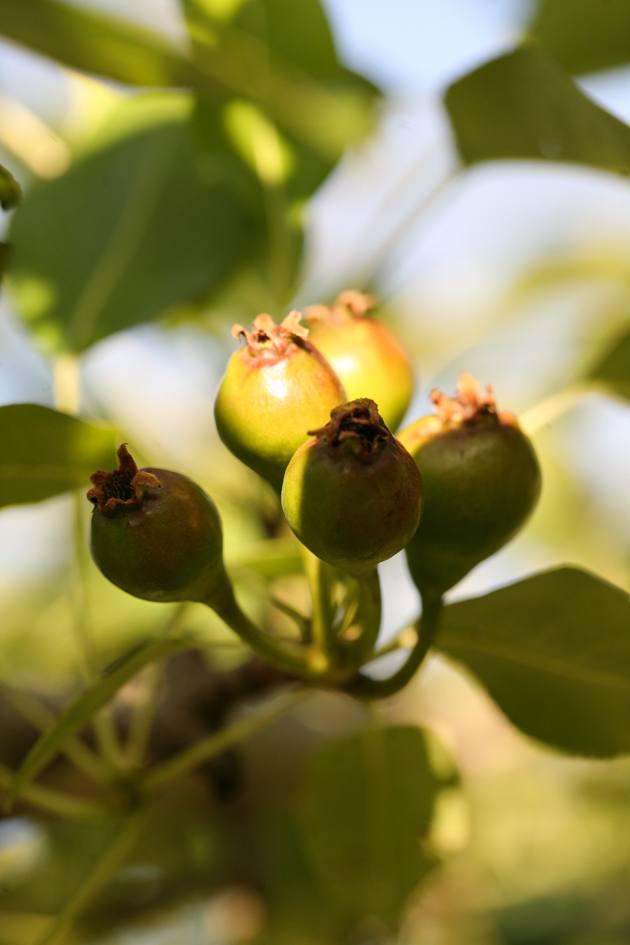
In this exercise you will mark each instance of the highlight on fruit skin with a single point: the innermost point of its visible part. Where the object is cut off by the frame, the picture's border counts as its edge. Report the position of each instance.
(352, 493)
(368, 359)
(481, 482)
(275, 388)
(156, 534)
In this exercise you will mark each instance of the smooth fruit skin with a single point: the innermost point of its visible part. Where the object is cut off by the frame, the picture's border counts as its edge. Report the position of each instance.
(481, 482)
(365, 355)
(168, 548)
(350, 507)
(265, 405)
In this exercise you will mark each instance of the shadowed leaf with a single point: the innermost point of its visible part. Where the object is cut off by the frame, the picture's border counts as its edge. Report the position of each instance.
(613, 370)
(553, 651)
(45, 452)
(584, 35)
(94, 42)
(523, 106)
(9, 190)
(134, 227)
(368, 801)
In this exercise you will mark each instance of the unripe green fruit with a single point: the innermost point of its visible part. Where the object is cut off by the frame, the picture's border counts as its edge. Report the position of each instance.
(367, 358)
(481, 481)
(275, 388)
(156, 534)
(352, 493)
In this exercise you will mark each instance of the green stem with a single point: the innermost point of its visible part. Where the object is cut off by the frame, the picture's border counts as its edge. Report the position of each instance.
(405, 639)
(319, 576)
(142, 719)
(367, 688)
(54, 802)
(300, 661)
(553, 407)
(104, 726)
(42, 718)
(368, 616)
(214, 744)
(67, 391)
(103, 871)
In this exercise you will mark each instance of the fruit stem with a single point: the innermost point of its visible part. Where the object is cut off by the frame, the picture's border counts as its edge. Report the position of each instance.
(299, 661)
(319, 576)
(367, 688)
(143, 717)
(368, 617)
(51, 801)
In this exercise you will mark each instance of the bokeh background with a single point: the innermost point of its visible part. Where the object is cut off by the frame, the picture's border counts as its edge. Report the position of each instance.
(516, 272)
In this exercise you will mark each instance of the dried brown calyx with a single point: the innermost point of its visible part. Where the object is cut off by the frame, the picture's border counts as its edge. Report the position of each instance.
(356, 425)
(123, 488)
(349, 304)
(268, 341)
(469, 403)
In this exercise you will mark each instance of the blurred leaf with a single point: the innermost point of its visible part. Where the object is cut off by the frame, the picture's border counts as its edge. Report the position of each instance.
(328, 115)
(9, 189)
(304, 40)
(285, 63)
(94, 42)
(99, 874)
(553, 651)
(584, 35)
(613, 370)
(80, 712)
(368, 801)
(290, 126)
(5, 252)
(523, 106)
(132, 228)
(45, 452)
(269, 170)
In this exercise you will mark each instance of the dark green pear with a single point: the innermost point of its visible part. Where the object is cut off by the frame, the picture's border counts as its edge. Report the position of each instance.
(156, 534)
(481, 481)
(352, 493)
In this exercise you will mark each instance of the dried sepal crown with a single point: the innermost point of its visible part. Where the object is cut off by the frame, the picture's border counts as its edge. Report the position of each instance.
(267, 340)
(352, 493)
(357, 423)
(469, 403)
(276, 387)
(350, 302)
(122, 489)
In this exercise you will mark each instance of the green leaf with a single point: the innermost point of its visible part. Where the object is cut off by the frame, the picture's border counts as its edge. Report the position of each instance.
(5, 252)
(367, 803)
(288, 128)
(288, 66)
(134, 227)
(80, 712)
(94, 42)
(9, 190)
(45, 452)
(553, 651)
(613, 369)
(523, 106)
(584, 35)
(329, 115)
(305, 41)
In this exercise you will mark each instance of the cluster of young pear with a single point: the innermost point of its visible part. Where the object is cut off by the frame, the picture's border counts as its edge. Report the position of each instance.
(299, 406)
